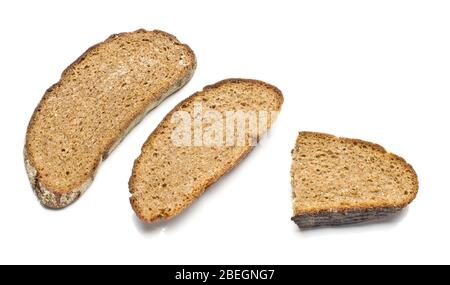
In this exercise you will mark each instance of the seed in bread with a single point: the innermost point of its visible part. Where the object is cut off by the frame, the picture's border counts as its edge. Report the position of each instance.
(340, 181)
(97, 101)
(168, 176)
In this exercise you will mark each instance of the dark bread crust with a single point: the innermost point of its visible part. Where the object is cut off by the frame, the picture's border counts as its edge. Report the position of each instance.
(350, 215)
(343, 217)
(212, 180)
(55, 198)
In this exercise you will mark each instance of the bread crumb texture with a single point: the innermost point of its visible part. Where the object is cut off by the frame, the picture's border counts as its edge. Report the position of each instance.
(354, 179)
(98, 99)
(167, 178)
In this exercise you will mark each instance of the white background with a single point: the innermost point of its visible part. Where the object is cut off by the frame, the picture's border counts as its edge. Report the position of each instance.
(374, 70)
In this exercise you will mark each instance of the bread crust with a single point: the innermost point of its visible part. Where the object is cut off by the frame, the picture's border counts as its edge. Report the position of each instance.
(203, 187)
(343, 217)
(56, 199)
(348, 215)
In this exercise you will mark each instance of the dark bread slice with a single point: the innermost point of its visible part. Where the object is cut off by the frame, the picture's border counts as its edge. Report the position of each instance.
(98, 100)
(168, 177)
(340, 181)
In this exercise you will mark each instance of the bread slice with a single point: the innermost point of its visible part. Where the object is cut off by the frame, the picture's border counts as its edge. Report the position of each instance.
(168, 176)
(340, 181)
(98, 100)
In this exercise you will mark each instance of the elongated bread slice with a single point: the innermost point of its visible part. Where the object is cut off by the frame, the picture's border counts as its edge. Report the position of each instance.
(200, 140)
(340, 181)
(97, 101)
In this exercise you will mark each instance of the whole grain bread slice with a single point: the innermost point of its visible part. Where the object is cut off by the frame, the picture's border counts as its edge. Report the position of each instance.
(98, 100)
(170, 174)
(340, 181)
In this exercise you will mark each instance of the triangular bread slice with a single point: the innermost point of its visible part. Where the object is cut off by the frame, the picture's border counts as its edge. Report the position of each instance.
(340, 181)
(170, 174)
(98, 100)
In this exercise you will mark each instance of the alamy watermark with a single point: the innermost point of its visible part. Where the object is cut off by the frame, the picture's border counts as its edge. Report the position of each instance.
(208, 127)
